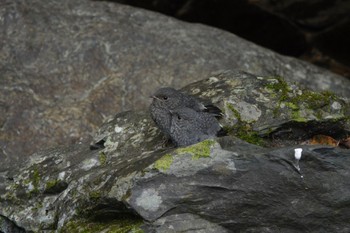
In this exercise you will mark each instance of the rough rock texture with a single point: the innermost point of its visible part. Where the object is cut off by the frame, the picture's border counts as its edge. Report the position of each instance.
(65, 66)
(316, 31)
(221, 185)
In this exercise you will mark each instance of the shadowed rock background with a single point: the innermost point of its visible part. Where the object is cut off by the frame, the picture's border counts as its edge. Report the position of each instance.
(67, 66)
(315, 31)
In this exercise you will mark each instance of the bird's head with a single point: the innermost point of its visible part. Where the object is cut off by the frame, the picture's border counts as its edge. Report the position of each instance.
(167, 98)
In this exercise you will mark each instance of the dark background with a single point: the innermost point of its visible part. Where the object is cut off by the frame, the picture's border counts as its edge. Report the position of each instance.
(317, 31)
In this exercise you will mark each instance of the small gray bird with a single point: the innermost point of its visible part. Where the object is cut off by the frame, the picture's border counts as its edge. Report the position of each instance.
(189, 126)
(166, 99)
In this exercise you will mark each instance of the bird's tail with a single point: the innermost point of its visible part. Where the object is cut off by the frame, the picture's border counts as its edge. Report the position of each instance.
(215, 111)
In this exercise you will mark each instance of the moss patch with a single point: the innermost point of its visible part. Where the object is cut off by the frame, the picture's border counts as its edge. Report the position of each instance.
(51, 184)
(279, 85)
(116, 226)
(314, 100)
(55, 186)
(247, 134)
(243, 130)
(95, 195)
(102, 157)
(164, 162)
(234, 111)
(199, 150)
(298, 99)
(34, 179)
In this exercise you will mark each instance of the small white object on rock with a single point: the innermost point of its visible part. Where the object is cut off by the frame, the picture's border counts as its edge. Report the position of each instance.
(118, 129)
(297, 153)
(336, 105)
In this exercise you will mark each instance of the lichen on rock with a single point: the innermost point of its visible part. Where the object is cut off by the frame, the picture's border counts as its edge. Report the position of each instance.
(164, 162)
(199, 150)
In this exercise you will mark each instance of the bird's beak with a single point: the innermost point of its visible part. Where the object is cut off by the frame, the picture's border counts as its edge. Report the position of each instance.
(154, 97)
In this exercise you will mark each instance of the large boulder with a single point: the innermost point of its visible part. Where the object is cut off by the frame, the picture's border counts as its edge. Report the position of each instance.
(66, 66)
(248, 181)
(311, 30)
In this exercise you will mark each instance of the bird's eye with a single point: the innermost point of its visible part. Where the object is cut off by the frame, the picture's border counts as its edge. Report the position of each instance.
(165, 97)
(179, 118)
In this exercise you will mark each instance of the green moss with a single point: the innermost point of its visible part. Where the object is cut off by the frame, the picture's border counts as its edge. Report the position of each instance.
(292, 106)
(95, 194)
(316, 100)
(199, 150)
(279, 86)
(243, 130)
(36, 176)
(51, 183)
(245, 133)
(279, 89)
(295, 112)
(34, 180)
(11, 193)
(234, 111)
(297, 117)
(306, 99)
(10, 197)
(164, 162)
(102, 158)
(116, 226)
(309, 100)
(39, 205)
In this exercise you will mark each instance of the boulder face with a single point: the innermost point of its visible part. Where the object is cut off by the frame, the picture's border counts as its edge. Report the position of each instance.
(248, 181)
(311, 30)
(66, 66)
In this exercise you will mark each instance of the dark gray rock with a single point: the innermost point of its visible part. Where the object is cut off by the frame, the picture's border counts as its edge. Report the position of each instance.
(311, 30)
(7, 225)
(186, 223)
(67, 65)
(251, 193)
(223, 185)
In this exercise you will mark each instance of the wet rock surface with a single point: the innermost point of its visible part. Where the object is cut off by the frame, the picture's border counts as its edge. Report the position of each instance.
(240, 182)
(67, 66)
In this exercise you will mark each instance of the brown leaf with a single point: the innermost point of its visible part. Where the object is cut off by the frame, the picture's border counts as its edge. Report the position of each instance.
(323, 140)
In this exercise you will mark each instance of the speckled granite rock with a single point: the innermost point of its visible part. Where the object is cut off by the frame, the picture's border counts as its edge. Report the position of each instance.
(67, 65)
(138, 183)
